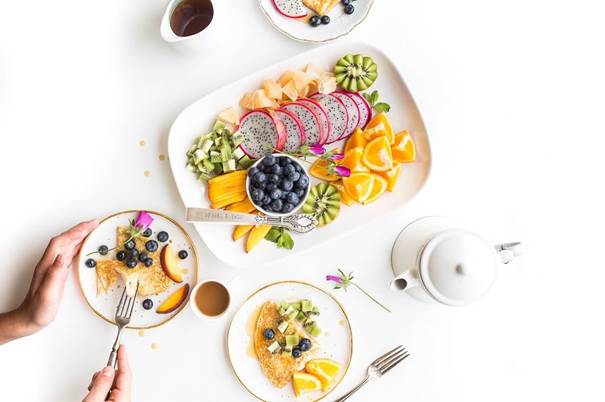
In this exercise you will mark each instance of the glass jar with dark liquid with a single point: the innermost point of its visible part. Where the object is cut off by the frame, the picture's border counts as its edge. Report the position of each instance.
(190, 17)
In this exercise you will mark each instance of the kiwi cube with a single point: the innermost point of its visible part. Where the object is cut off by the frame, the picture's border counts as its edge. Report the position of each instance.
(307, 305)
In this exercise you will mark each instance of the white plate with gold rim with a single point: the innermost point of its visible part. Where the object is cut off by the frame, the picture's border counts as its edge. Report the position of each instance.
(335, 342)
(104, 304)
(299, 29)
(198, 118)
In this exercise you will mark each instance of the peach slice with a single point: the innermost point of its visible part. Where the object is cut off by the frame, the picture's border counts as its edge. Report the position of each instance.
(257, 234)
(174, 301)
(170, 264)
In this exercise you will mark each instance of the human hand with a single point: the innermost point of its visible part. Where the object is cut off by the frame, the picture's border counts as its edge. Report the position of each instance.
(46, 289)
(108, 385)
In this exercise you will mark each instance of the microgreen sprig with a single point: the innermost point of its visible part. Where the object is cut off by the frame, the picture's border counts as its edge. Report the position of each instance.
(343, 281)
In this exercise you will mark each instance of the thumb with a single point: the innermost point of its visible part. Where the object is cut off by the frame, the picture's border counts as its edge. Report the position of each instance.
(101, 385)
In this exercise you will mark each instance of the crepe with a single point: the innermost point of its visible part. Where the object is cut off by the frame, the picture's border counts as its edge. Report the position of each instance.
(321, 7)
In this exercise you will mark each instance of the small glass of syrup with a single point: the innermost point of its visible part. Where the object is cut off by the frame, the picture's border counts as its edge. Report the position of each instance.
(184, 19)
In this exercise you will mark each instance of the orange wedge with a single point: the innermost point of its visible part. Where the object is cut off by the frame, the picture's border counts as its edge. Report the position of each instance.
(403, 149)
(319, 169)
(379, 126)
(344, 196)
(352, 160)
(358, 185)
(392, 176)
(303, 382)
(356, 140)
(377, 155)
(324, 369)
(379, 186)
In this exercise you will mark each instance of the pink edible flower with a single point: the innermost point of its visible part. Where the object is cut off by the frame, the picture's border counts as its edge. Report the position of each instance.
(144, 220)
(333, 278)
(342, 171)
(337, 157)
(317, 149)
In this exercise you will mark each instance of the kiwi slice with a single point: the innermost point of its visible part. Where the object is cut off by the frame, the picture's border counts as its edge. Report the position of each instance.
(323, 202)
(355, 72)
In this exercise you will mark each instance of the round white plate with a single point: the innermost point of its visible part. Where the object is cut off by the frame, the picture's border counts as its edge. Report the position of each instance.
(298, 29)
(104, 304)
(335, 342)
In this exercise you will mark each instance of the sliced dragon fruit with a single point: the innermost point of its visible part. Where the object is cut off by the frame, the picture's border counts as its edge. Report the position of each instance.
(352, 109)
(322, 115)
(364, 108)
(309, 120)
(337, 114)
(261, 133)
(290, 8)
(295, 132)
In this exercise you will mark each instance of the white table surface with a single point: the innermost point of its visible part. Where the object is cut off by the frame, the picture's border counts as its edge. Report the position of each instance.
(512, 95)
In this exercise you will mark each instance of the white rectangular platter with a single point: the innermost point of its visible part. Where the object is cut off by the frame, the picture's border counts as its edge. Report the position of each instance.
(198, 118)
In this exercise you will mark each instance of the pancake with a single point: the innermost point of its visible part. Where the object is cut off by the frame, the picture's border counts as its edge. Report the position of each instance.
(321, 7)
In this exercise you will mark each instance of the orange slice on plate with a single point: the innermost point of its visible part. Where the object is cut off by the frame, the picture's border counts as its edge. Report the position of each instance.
(358, 185)
(356, 140)
(303, 383)
(403, 149)
(324, 369)
(377, 155)
(379, 126)
(345, 197)
(319, 169)
(392, 176)
(352, 160)
(379, 186)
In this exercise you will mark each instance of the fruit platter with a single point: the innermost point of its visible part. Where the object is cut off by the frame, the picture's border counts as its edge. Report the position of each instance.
(290, 341)
(140, 253)
(333, 133)
(315, 20)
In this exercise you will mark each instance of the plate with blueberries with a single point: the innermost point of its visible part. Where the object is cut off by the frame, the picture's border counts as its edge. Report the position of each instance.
(315, 21)
(138, 248)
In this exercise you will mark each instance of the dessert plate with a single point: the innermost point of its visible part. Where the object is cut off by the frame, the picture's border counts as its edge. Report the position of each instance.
(199, 117)
(104, 304)
(299, 29)
(335, 343)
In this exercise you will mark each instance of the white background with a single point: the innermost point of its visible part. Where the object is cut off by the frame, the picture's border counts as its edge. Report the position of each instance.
(513, 97)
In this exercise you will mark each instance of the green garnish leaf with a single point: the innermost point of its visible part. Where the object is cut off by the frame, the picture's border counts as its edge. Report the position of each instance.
(281, 237)
(382, 107)
(372, 99)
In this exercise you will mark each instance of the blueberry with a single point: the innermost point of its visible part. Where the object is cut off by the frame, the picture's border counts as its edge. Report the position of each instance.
(147, 304)
(257, 194)
(267, 200)
(129, 245)
(121, 255)
(134, 253)
(289, 169)
(267, 170)
(252, 171)
(284, 195)
(315, 21)
(286, 185)
(294, 176)
(296, 352)
(268, 208)
(148, 232)
(276, 169)
(349, 9)
(148, 262)
(325, 20)
(287, 207)
(183, 254)
(151, 246)
(303, 182)
(269, 160)
(162, 236)
(90, 263)
(270, 187)
(292, 199)
(345, 2)
(304, 344)
(260, 177)
(103, 250)
(284, 161)
(274, 178)
(298, 168)
(300, 192)
(260, 186)
(131, 263)
(275, 194)
(276, 205)
(269, 334)
(143, 257)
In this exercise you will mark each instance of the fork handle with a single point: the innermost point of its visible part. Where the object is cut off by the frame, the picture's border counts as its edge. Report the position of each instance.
(351, 392)
(113, 356)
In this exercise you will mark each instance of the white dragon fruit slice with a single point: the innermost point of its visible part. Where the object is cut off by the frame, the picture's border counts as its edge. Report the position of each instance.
(290, 8)
(364, 108)
(262, 133)
(353, 111)
(337, 114)
(309, 120)
(295, 132)
(321, 114)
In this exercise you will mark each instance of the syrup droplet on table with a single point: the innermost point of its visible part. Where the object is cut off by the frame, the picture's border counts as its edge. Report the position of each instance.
(141, 333)
(154, 346)
(162, 157)
(142, 143)
(146, 173)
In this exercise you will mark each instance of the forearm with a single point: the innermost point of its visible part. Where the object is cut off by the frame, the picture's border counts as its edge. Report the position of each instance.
(13, 326)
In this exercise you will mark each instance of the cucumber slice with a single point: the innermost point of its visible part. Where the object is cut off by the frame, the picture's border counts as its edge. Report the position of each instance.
(207, 145)
(208, 165)
(245, 162)
(238, 153)
(215, 157)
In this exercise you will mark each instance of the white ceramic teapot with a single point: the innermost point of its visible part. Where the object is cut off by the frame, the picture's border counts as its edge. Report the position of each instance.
(436, 261)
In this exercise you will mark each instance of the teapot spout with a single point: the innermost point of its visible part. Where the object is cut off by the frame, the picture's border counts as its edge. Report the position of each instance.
(508, 251)
(403, 282)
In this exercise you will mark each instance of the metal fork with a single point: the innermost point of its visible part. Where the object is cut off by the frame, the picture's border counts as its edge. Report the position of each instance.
(379, 367)
(122, 318)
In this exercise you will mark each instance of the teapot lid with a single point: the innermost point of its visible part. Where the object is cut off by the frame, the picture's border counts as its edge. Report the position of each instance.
(458, 267)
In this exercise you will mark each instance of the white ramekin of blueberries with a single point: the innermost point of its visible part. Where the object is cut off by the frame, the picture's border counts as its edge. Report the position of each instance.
(277, 185)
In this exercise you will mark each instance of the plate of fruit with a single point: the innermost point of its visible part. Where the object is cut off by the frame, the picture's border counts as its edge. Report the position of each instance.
(315, 20)
(290, 341)
(142, 253)
(333, 133)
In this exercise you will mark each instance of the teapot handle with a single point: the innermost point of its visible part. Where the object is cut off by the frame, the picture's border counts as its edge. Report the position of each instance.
(508, 251)
(405, 281)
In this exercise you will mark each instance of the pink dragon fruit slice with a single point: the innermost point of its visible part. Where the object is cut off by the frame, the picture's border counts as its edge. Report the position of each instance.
(290, 8)
(364, 108)
(295, 132)
(353, 111)
(322, 115)
(262, 133)
(337, 114)
(309, 120)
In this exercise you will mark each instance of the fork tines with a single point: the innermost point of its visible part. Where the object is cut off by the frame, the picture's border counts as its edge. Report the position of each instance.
(390, 359)
(126, 304)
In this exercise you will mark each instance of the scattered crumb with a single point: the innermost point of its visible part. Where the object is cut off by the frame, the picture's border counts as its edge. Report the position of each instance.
(341, 323)
(162, 157)
(141, 333)
(146, 173)
(154, 346)
(142, 143)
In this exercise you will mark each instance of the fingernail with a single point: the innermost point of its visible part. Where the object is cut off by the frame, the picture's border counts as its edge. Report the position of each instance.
(107, 371)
